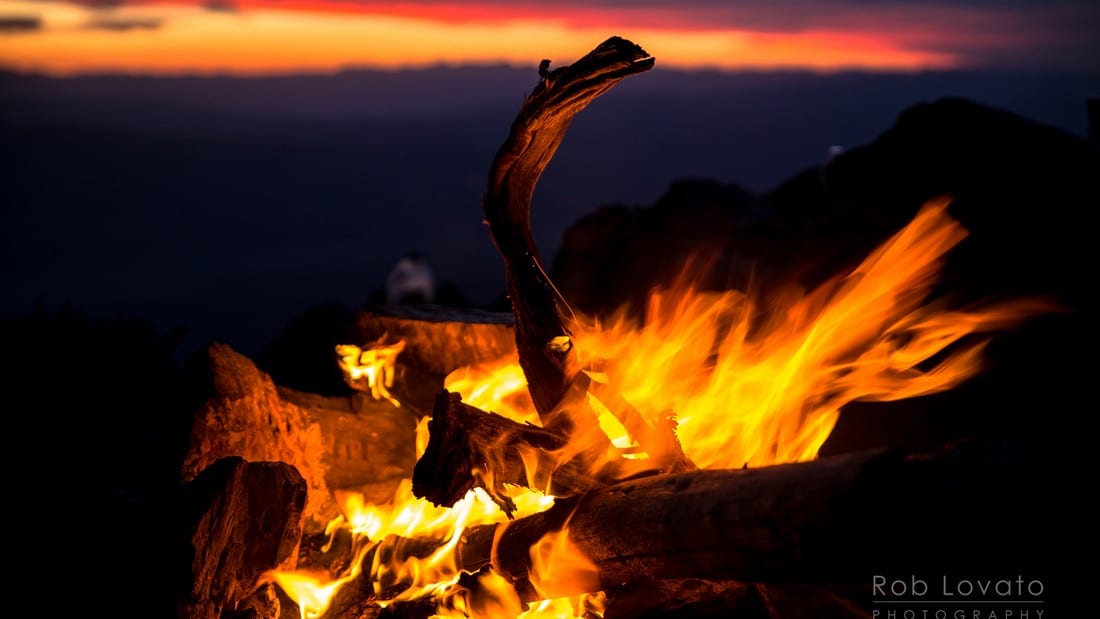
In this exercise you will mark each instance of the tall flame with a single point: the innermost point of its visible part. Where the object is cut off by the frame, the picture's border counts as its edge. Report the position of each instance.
(758, 392)
(745, 385)
(751, 385)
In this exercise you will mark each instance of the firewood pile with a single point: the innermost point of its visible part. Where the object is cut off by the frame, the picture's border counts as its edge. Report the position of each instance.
(659, 536)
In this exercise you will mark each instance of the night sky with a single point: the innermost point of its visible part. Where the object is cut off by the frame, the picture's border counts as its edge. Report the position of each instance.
(225, 166)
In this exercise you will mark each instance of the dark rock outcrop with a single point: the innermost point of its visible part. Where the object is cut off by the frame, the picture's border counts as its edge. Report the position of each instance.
(1026, 193)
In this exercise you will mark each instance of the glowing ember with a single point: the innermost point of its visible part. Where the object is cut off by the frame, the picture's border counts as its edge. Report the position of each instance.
(376, 364)
(386, 530)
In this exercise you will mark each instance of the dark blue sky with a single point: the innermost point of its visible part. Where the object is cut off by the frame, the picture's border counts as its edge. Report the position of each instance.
(232, 205)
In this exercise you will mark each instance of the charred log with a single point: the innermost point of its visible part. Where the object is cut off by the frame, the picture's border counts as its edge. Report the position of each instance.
(687, 597)
(439, 339)
(833, 521)
(465, 444)
(245, 518)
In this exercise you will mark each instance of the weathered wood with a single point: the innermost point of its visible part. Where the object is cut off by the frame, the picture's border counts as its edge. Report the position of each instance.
(832, 520)
(243, 415)
(369, 445)
(470, 448)
(802, 601)
(686, 597)
(543, 317)
(245, 518)
(439, 340)
(836, 520)
(541, 314)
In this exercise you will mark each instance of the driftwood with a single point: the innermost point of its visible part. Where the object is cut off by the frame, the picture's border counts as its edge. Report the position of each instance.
(836, 520)
(541, 314)
(245, 518)
(542, 317)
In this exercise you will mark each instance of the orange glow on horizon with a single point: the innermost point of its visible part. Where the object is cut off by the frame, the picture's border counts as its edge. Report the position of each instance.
(326, 37)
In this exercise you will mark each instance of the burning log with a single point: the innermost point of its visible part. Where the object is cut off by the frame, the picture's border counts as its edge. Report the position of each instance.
(617, 525)
(336, 443)
(246, 519)
(461, 443)
(439, 339)
(465, 444)
(829, 522)
(833, 520)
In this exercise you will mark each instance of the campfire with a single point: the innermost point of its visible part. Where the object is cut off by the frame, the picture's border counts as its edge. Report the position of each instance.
(610, 466)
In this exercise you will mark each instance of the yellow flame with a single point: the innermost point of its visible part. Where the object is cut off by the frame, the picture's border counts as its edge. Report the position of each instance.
(746, 391)
(560, 569)
(745, 384)
(764, 385)
(311, 590)
(389, 530)
(565, 579)
(498, 386)
(377, 364)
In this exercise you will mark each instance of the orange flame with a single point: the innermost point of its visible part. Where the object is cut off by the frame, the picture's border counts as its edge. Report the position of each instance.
(497, 386)
(746, 390)
(742, 390)
(377, 364)
(754, 393)
(560, 569)
(565, 579)
(387, 529)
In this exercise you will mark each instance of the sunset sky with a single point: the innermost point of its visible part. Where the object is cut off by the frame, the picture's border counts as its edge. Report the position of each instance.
(252, 37)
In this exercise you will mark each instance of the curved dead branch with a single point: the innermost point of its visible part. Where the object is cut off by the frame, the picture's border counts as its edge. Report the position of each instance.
(541, 314)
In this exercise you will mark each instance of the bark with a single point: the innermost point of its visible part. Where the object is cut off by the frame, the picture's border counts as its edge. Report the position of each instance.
(245, 518)
(836, 519)
(542, 315)
(439, 339)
